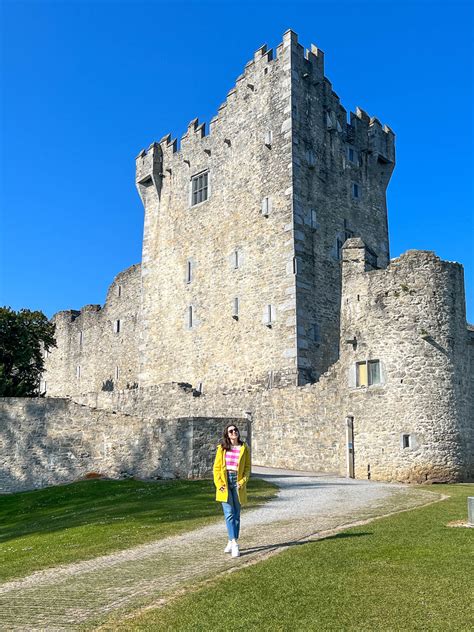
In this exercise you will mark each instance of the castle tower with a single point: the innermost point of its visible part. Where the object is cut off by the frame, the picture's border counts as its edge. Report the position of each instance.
(244, 228)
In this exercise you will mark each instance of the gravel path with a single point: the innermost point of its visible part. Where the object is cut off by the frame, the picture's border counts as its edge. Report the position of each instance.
(82, 594)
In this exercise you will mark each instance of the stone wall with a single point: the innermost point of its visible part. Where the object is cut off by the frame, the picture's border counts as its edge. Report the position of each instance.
(97, 348)
(49, 441)
(411, 317)
(221, 350)
(329, 156)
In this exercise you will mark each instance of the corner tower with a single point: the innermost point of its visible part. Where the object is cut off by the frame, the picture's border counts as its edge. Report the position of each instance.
(244, 228)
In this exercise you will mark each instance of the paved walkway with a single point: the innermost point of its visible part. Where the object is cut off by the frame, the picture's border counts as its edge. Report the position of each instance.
(307, 507)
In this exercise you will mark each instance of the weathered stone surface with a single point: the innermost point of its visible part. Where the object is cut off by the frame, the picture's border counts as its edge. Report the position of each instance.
(50, 441)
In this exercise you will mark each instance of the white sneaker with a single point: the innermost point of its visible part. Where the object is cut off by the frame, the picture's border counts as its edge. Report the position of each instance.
(228, 548)
(235, 550)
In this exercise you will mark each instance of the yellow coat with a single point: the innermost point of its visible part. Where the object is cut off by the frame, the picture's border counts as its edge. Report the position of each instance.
(243, 473)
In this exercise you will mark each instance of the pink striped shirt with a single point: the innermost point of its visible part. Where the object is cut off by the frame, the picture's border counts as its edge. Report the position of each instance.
(232, 458)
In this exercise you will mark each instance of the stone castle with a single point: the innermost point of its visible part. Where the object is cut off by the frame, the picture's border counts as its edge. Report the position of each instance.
(266, 294)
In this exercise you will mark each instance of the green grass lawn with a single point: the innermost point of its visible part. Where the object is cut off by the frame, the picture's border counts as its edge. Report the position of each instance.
(63, 524)
(406, 572)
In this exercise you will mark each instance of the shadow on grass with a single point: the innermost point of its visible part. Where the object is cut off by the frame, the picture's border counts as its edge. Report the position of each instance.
(106, 502)
(291, 543)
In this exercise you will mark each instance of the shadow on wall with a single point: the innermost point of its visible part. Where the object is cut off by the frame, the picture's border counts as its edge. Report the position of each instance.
(55, 441)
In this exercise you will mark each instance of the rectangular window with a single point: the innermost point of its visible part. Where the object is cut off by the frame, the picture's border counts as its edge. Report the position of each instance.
(406, 441)
(374, 372)
(266, 206)
(189, 271)
(117, 327)
(199, 188)
(235, 311)
(355, 190)
(352, 155)
(315, 335)
(268, 138)
(270, 316)
(368, 373)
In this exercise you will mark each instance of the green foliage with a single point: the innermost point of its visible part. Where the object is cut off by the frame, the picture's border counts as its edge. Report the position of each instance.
(23, 337)
(406, 572)
(67, 523)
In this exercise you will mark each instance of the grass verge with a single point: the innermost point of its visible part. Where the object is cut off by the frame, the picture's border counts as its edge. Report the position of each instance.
(68, 523)
(406, 572)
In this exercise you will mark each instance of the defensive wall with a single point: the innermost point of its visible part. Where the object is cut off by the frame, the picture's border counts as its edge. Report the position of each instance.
(51, 441)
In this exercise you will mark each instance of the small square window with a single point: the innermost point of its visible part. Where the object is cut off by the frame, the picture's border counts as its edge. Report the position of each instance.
(368, 373)
(199, 188)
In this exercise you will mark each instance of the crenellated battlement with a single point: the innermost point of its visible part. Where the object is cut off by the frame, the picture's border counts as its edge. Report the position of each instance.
(255, 71)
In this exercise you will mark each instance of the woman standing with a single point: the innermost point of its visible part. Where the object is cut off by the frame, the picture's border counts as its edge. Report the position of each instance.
(231, 473)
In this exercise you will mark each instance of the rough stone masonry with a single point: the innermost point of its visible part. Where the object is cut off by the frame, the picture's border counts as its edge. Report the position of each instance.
(266, 292)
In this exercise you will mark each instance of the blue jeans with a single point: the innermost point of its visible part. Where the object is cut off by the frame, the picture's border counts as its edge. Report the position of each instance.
(232, 507)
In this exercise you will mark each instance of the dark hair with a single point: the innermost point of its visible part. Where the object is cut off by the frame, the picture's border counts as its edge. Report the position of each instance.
(225, 441)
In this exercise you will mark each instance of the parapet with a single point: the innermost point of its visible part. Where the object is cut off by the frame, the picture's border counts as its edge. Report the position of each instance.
(148, 165)
(379, 139)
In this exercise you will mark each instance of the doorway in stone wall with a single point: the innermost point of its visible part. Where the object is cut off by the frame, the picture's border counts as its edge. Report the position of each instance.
(350, 446)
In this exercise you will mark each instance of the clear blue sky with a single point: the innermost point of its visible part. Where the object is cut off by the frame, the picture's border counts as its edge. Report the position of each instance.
(87, 85)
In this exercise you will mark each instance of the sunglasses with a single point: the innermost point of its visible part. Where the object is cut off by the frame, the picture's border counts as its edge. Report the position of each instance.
(233, 431)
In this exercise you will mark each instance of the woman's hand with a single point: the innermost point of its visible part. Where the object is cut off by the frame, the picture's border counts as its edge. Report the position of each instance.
(221, 489)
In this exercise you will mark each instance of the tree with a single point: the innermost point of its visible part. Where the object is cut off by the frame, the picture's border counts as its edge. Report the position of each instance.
(24, 336)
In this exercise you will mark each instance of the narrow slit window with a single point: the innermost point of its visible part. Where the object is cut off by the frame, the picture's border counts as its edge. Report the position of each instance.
(78, 371)
(119, 291)
(190, 316)
(268, 138)
(117, 326)
(266, 206)
(189, 271)
(235, 310)
(406, 441)
(295, 265)
(270, 315)
(355, 191)
(236, 259)
(313, 218)
(117, 373)
(81, 338)
(339, 244)
(199, 188)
